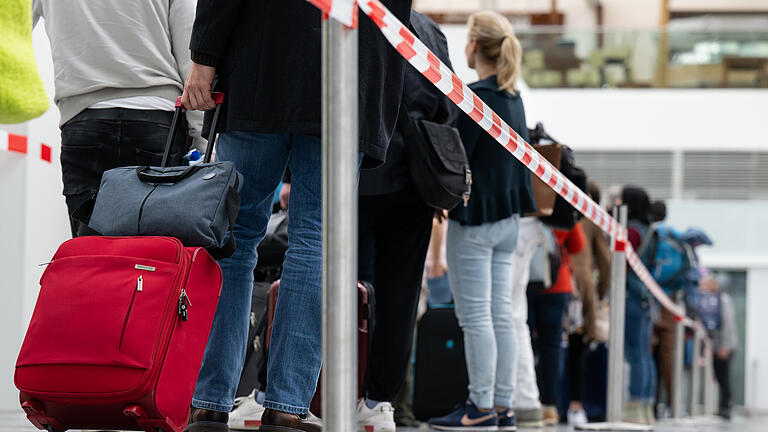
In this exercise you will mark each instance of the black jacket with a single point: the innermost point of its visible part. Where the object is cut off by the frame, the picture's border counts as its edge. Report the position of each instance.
(267, 55)
(501, 184)
(423, 101)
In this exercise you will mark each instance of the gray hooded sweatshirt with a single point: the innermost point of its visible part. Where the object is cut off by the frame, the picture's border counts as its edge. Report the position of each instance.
(111, 49)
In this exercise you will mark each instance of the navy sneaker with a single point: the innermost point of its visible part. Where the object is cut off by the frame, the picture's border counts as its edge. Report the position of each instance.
(466, 417)
(507, 421)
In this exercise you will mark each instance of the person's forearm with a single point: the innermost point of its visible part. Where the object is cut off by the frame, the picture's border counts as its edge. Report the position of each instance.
(436, 241)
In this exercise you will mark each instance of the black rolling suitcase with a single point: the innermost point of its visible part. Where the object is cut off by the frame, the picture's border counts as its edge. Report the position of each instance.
(596, 382)
(255, 356)
(440, 375)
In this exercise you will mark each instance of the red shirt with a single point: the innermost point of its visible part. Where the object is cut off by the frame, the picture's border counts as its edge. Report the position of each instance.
(571, 242)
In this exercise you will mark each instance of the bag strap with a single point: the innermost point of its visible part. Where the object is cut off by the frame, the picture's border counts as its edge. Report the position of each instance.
(218, 98)
(81, 217)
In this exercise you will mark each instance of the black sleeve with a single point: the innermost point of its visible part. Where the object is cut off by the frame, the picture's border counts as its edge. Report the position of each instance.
(447, 111)
(422, 97)
(211, 33)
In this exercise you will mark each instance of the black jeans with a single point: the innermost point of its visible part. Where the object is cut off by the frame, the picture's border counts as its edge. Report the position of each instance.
(545, 318)
(393, 242)
(723, 374)
(98, 140)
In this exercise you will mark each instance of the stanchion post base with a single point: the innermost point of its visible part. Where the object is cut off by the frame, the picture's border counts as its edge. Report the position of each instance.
(615, 426)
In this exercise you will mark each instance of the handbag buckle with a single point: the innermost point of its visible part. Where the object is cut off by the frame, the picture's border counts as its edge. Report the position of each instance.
(468, 182)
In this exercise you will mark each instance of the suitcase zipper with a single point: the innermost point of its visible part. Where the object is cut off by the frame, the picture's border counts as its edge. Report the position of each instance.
(184, 304)
(139, 288)
(165, 338)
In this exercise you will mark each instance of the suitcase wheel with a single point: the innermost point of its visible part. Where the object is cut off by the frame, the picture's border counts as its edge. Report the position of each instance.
(33, 408)
(135, 411)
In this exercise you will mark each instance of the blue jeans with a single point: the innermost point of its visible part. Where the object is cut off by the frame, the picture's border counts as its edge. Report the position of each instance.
(295, 353)
(545, 318)
(638, 329)
(480, 268)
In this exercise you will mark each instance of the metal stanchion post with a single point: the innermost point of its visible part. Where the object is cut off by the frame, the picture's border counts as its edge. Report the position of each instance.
(615, 392)
(340, 166)
(693, 407)
(677, 366)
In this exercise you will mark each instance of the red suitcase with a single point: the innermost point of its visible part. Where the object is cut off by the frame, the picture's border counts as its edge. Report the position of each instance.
(118, 334)
(365, 322)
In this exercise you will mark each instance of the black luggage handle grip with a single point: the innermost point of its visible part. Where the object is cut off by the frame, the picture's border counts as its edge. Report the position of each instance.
(218, 98)
(157, 178)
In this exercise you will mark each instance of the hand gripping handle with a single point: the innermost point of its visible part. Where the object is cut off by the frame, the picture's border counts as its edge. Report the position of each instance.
(219, 99)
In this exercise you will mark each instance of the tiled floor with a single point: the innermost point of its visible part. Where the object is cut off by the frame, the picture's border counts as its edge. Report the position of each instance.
(15, 422)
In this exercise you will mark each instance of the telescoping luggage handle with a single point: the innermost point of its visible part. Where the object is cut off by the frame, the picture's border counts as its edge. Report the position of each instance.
(218, 98)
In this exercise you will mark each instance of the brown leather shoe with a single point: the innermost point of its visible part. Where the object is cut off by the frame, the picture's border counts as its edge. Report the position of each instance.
(203, 420)
(278, 421)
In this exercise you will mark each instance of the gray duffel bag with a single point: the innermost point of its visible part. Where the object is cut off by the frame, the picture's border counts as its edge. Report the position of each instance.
(197, 204)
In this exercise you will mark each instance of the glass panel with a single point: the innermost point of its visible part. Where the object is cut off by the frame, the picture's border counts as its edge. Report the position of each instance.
(558, 57)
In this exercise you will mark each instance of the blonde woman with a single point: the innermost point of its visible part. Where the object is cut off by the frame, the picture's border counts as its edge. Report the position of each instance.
(483, 235)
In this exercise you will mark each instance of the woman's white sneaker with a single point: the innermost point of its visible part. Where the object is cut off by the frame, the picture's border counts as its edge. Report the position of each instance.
(246, 414)
(577, 417)
(379, 419)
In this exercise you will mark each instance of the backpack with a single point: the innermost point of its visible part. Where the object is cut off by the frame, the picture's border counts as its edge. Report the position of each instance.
(546, 262)
(564, 216)
(709, 310)
(670, 260)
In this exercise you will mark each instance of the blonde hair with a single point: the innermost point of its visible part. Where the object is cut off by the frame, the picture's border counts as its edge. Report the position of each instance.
(497, 43)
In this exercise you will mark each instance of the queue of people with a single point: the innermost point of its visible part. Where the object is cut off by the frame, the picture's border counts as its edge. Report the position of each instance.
(487, 254)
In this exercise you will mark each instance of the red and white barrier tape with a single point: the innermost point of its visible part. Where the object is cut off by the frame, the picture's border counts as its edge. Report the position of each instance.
(420, 57)
(20, 144)
(344, 11)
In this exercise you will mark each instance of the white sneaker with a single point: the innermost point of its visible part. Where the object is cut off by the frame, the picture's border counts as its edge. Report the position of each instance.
(246, 414)
(379, 419)
(577, 417)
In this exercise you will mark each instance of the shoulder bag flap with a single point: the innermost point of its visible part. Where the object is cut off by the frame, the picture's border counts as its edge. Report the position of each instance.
(446, 142)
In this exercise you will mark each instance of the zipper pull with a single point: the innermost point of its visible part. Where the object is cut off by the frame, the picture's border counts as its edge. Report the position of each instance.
(184, 304)
(140, 284)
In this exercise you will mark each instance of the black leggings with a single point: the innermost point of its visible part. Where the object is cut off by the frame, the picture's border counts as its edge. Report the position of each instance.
(723, 373)
(394, 237)
(576, 358)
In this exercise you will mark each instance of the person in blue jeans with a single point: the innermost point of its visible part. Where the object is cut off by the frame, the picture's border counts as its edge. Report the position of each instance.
(482, 236)
(639, 325)
(266, 57)
(546, 312)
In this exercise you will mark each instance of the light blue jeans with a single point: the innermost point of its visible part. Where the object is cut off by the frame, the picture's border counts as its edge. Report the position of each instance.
(295, 353)
(480, 262)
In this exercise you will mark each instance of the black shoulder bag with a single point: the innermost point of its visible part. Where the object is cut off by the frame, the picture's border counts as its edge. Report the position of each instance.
(437, 161)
